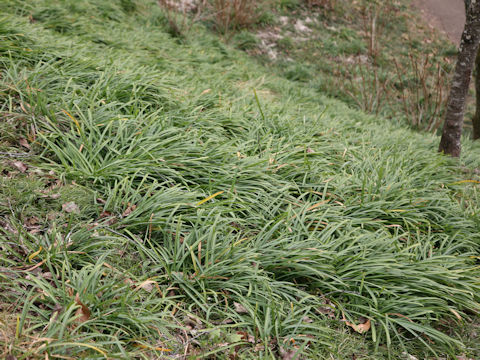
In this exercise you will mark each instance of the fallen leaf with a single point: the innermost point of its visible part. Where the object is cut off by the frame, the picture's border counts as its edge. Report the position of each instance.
(32, 225)
(24, 143)
(239, 308)
(32, 221)
(360, 328)
(129, 210)
(328, 309)
(83, 312)
(129, 282)
(463, 357)
(148, 285)
(49, 196)
(20, 166)
(109, 217)
(32, 256)
(259, 347)
(53, 215)
(307, 320)
(287, 354)
(71, 207)
(246, 337)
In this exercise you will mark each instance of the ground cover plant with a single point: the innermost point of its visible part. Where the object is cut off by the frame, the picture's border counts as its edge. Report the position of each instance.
(166, 197)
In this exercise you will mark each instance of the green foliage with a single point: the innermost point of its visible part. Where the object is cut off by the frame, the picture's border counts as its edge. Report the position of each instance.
(298, 72)
(223, 211)
(289, 4)
(286, 43)
(245, 40)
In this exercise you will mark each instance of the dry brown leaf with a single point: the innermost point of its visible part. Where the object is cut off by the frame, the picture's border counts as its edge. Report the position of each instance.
(239, 308)
(129, 210)
(20, 166)
(360, 328)
(129, 282)
(259, 347)
(111, 219)
(148, 285)
(83, 312)
(307, 320)
(24, 143)
(32, 221)
(71, 207)
(246, 337)
(328, 309)
(287, 354)
(49, 196)
(32, 225)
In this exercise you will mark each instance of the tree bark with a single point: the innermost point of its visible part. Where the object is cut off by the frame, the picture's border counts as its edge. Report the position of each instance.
(476, 117)
(452, 129)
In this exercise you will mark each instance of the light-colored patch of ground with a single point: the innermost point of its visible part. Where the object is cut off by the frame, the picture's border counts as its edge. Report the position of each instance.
(8, 324)
(269, 37)
(268, 42)
(180, 5)
(300, 26)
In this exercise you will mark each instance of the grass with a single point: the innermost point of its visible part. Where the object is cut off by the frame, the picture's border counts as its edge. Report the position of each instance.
(221, 211)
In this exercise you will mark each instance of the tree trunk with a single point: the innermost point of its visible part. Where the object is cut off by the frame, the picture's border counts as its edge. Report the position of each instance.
(476, 117)
(452, 129)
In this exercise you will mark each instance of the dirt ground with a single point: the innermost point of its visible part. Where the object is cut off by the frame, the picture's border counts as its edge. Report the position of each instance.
(446, 15)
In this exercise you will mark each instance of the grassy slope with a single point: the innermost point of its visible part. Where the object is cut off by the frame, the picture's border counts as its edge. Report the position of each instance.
(324, 211)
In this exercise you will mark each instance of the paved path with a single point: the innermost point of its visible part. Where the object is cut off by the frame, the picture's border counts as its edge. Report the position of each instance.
(446, 15)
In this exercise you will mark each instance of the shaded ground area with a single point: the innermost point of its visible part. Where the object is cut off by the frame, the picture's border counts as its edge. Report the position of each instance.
(446, 15)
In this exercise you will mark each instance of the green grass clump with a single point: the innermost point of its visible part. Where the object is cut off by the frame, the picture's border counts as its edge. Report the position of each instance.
(222, 211)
